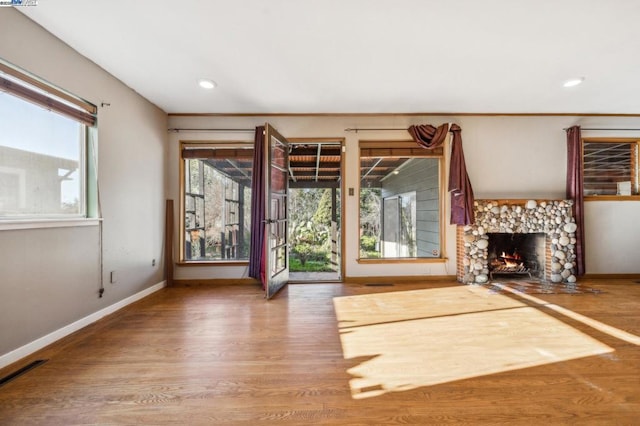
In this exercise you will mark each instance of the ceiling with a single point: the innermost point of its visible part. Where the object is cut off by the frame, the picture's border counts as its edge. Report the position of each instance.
(361, 56)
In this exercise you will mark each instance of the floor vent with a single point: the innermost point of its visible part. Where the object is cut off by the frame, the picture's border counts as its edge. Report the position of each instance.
(6, 379)
(379, 285)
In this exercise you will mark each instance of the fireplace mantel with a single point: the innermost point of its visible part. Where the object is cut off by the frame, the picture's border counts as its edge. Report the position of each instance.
(554, 218)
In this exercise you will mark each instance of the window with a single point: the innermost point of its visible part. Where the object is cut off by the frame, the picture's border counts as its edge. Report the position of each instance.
(400, 201)
(216, 201)
(43, 144)
(610, 167)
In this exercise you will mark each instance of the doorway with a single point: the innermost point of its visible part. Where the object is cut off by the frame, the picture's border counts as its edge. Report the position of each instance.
(315, 210)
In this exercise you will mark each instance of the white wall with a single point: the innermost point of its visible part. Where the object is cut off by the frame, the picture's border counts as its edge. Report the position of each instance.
(507, 157)
(49, 278)
(613, 237)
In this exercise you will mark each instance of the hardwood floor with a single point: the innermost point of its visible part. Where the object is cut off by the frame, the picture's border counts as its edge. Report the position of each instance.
(344, 354)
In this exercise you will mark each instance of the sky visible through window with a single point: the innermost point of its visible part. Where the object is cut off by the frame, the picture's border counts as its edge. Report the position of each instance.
(28, 127)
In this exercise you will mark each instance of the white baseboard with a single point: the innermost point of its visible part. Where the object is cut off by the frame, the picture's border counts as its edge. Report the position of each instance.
(29, 348)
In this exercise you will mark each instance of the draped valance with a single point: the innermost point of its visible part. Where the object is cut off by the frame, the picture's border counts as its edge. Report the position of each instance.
(431, 137)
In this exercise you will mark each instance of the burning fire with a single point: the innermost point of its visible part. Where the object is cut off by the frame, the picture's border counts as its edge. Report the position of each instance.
(511, 260)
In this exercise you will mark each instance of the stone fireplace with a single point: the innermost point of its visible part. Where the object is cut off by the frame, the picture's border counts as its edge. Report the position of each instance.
(521, 238)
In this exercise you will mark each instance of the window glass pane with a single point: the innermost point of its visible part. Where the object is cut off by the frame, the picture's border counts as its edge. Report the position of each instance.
(217, 203)
(399, 207)
(610, 168)
(399, 226)
(41, 166)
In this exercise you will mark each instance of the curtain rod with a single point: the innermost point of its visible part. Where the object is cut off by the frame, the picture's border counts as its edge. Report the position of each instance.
(373, 129)
(355, 129)
(598, 128)
(350, 129)
(178, 130)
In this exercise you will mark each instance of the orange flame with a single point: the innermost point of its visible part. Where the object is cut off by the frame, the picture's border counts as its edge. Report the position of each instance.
(512, 260)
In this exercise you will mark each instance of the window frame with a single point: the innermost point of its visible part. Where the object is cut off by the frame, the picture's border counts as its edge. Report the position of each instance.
(634, 165)
(415, 151)
(186, 144)
(29, 88)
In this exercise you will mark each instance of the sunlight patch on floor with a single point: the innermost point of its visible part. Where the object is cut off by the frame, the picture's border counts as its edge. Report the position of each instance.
(612, 331)
(421, 338)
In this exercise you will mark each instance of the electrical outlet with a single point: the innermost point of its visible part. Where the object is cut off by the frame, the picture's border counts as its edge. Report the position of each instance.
(153, 262)
(113, 278)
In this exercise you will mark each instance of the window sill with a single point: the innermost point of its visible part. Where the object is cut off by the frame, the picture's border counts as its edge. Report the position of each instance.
(612, 198)
(7, 225)
(405, 260)
(212, 263)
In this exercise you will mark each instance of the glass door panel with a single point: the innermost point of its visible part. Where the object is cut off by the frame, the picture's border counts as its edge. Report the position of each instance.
(276, 216)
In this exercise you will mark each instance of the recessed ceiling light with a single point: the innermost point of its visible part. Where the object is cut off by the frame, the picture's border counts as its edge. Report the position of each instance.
(573, 82)
(206, 84)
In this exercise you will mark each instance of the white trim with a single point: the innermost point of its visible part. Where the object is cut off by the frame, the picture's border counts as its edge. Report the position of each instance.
(29, 348)
(6, 225)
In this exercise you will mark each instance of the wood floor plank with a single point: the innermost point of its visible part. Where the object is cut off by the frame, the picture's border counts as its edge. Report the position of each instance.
(342, 354)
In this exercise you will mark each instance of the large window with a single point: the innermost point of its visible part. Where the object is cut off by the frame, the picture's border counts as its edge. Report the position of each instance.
(43, 146)
(610, 167)
(216, 202)
(400, 201)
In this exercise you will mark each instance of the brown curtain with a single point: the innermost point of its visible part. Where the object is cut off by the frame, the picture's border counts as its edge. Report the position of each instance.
(256, 251)
(430, 137)
(459, 183)
(575, 190)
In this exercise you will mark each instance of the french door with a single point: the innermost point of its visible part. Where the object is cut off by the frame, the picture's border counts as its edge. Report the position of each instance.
(276, 157)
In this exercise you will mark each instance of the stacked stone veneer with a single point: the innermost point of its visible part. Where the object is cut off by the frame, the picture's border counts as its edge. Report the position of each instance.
(551, 217)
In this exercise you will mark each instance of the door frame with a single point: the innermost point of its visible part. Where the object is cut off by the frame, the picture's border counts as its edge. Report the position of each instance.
(342, 142)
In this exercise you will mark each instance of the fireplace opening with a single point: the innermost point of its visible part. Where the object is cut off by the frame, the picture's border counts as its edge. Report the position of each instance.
(516, 254)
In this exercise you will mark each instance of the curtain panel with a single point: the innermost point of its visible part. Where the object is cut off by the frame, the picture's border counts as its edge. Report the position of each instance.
(575, 191)
(256, 251)
(430, 137)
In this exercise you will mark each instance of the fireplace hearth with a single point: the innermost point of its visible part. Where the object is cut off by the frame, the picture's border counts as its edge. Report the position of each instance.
(527, 238)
